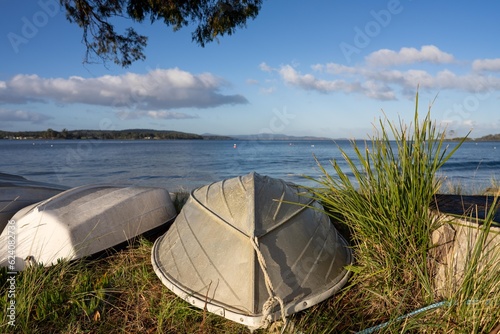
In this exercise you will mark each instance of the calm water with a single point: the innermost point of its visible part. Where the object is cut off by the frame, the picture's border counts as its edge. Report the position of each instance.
(187, 164)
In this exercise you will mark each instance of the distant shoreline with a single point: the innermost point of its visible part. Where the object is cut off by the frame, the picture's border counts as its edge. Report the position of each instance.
(129, 134)
(148, 134)
(141, 134)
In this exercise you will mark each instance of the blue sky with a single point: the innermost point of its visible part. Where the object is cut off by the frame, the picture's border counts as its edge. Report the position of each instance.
(320, 68)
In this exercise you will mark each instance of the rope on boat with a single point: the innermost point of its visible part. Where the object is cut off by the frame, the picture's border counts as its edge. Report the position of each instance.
(268, 305)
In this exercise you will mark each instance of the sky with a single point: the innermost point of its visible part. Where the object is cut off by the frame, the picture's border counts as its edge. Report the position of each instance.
(304, 68)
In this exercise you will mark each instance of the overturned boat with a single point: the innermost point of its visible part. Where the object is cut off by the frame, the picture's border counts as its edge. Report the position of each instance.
(466, 205)
(83, 221)
(252, 249)
(16, 192)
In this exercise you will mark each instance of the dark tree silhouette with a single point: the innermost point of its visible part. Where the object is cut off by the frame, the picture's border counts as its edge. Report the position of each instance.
(97, 18)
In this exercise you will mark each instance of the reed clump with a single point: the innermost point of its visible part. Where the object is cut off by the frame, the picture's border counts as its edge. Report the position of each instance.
(382, 200)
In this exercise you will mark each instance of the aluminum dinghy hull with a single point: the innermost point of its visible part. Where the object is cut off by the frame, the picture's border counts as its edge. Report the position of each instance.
(252, 249)
(16, 192)
(84, 221)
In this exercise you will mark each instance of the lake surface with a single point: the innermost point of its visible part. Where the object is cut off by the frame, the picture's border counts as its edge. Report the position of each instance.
(187, 164)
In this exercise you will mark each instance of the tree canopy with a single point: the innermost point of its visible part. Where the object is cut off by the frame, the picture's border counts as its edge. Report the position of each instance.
(97, 18)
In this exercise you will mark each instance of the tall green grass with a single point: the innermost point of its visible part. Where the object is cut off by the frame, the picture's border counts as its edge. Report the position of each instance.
(382, 199)
(386, 206)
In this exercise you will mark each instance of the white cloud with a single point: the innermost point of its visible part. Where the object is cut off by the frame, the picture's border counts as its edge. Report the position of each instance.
(252, 82)
(22, 116)
(159, 89)
(486, 65)
(128, 115)
(377, 90)
(427, 53)
(264, 67)
(309, 82)
(268, 90)
(336, 69)
(387, 83)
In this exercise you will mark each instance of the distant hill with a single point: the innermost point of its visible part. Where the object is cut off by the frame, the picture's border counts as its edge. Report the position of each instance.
(149, 134)
(273, 136)
(128, 134)
(484, 138)
(489, 138)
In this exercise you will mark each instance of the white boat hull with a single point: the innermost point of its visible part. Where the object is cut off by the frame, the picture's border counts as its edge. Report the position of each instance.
(252, 249)
(81, 222)
(16, 192)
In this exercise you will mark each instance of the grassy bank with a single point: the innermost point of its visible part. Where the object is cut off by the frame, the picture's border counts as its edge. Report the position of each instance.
(381, 204)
